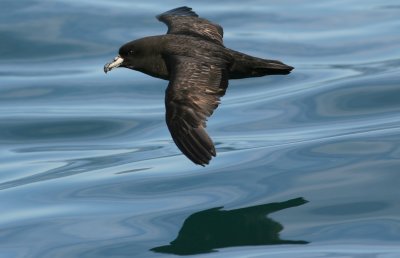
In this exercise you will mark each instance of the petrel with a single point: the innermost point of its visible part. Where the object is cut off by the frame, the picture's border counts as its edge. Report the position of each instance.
(193, 58)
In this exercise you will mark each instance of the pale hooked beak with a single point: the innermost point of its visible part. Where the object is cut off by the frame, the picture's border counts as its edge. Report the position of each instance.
(114, 64)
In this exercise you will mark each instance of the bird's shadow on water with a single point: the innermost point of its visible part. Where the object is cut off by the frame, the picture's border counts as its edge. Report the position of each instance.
(207, 230)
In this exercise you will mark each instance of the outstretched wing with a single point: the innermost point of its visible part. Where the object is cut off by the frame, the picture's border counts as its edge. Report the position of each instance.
(184, 21)
(192, 95)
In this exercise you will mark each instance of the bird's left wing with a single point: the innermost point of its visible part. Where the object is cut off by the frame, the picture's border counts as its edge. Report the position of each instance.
(184, 21)
(192, 95)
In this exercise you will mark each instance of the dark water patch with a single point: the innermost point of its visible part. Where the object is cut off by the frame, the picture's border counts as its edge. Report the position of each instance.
(131, 171)
(17, 47)
(370, 68)
(66, 129)
(39, 73)
(346, 209)
(356, 147)
(83, 165)
(390, 7)
(366, 96)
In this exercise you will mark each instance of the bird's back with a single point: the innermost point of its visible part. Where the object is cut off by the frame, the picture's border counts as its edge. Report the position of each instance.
(196, 47)
(238, 64)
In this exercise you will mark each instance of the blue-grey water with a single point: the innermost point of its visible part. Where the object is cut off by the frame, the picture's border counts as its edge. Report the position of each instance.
(308, 164)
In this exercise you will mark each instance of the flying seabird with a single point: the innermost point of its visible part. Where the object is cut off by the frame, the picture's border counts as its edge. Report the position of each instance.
(193, 58)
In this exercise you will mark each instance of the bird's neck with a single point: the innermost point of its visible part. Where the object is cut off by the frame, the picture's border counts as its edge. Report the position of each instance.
(151, 59)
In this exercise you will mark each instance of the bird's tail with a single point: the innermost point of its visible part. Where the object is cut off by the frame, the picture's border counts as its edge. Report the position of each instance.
(245, 66)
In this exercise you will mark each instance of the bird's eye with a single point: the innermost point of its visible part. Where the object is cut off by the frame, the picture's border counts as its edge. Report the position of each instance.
(130, 52)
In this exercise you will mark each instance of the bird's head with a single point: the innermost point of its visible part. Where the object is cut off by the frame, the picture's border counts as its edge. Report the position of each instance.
(128, 56)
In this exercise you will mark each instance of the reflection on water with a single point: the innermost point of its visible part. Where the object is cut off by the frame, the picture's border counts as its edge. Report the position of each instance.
(207, 230)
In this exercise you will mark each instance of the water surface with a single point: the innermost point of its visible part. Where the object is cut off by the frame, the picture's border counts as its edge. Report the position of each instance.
(307, 164)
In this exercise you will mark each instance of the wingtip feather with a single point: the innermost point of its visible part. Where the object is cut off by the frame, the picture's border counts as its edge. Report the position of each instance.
(179, 11)
(196, 146)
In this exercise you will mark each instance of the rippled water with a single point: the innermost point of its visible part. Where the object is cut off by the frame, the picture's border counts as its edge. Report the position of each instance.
(307, 166)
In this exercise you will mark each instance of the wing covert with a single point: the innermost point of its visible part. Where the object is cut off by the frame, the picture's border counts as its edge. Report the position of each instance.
(184, 21)
(192, 96)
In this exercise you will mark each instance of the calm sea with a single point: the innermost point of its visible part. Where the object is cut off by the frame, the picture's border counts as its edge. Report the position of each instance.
(308, 164)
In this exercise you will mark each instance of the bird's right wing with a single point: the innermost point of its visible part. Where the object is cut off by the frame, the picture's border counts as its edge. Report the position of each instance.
(192, 95)
(184, 21)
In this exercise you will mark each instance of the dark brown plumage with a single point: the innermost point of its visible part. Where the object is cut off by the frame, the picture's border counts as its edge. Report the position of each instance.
(198, 66)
